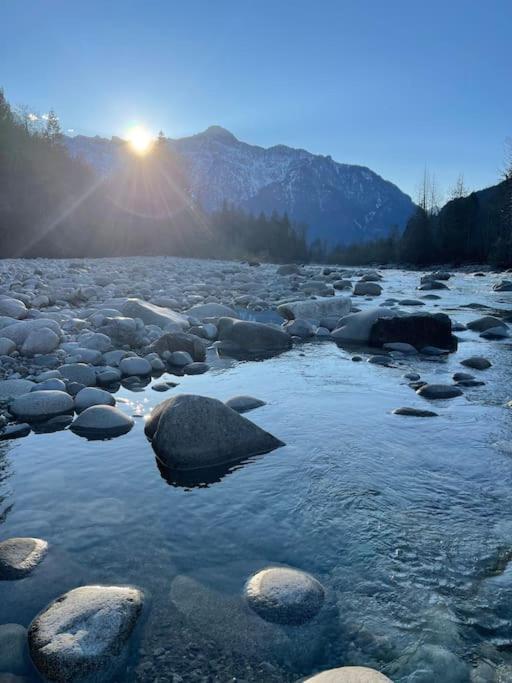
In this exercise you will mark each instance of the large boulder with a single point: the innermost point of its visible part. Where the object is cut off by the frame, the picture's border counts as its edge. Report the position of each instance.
(192, 432)
(102, 422)
(154, 315)
(41, 405)
(180, 341)
(284, 596)
(18, 332)
(19, 556)
(419, 330)
(367, 289)
(439, 391)
(356, 328)
(251, 338)
(485, 323)
(316, 309)
(82, 635)
(349, 674)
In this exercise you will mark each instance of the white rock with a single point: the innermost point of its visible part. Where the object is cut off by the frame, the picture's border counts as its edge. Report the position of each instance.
(349, 674)
(315, 309)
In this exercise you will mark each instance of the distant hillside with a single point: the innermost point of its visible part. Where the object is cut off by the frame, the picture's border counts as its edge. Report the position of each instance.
(341, 203)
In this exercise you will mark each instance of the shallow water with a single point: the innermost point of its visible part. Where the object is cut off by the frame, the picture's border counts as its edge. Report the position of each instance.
(407, 522)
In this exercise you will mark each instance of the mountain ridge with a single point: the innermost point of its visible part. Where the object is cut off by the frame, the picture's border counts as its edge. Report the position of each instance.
(341, 203)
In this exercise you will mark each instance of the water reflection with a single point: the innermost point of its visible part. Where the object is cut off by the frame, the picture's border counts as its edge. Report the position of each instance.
(201, 478)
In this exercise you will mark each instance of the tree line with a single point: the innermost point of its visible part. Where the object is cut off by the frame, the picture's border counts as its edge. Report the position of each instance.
(54, 205)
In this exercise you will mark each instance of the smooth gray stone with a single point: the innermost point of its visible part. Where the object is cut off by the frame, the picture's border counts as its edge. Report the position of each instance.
(439, 391)
(19, 556)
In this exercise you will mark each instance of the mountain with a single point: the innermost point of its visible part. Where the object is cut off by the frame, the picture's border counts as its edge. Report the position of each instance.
(341, 203)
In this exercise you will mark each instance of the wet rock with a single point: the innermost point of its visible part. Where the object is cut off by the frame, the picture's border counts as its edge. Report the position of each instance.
(108, 377)
(439, 391)
(82, 635)
(412, 376)
(91, 396)
(380, 360)
(179, 341)
(135, 366)
(13, 649)
(367, 289)
(11, 388)
(243, 404)
(196, 368)
(52, 384)
(284, 596)
(180, 358)
(316, 309)
(432, 284)
(299, 328)
(41, 405)
(78, 372)
(503, 286)
(192, 432)
(402, 347)
(15, 431)
(462, 376)
(411, 302)
(154, 315)
(494, 333)
(414, 412)
(349, 674)
(102, 422)
(253, 338)
(288, 269)
(19, 556)
(476, 363)
(485, 323)
(419, 330)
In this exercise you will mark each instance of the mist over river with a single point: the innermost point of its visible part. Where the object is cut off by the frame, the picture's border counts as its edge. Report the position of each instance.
(405, 521)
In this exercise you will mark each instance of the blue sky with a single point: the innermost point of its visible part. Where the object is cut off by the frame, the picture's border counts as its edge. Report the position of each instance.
(391, 84)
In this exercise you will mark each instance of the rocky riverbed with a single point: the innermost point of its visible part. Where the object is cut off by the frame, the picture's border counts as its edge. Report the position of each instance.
(323, 479)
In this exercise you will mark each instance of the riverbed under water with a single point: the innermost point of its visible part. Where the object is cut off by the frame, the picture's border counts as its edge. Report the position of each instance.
(407, 522)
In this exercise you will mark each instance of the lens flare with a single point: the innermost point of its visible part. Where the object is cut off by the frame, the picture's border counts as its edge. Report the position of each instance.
(140, 140)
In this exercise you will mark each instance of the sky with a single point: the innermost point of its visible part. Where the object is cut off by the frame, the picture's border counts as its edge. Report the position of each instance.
(395, 85)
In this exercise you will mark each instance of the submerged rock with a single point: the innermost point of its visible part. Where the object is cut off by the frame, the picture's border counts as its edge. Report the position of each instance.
(438, 391)
(284, 596)
(19, 556)
(349, 674)
(82, 635)
(242, 404)
(102, 422)
(192, 432)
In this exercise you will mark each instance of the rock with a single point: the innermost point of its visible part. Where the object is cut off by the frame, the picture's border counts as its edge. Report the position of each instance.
(470, 383)
(7, 346)
(356, 328)
(379, 360)
(135, 366)
(367, 289)
(247, 337)
(503, 286)
(123, 330)
(78, 372)
(419, 330)
(402, 347)
(180, 358)
(12, 308)
(90, 396)
(437, 391)
(41, 405)
(13, 648)
(212, 310)
(500, 332)
(52, 384)
(102, 422)
(15, 431)
(11, 388)
(40, 341)
(476, 363)
(180, 341)
(154, 315)
(82, 635)
(414, 412)
(462, 376)
(288, 269)
(19, 556)
(432, 284)
(412, 376)
(411, 302)
(18, 332)
(97, 341)
(161, 386)
(243, 404)
(316, 309)
(484, 323)
(284, 596)
(342, 284)
(349, 674)
(196, 368)
(191, 432)
(299, 328)
(108, 377)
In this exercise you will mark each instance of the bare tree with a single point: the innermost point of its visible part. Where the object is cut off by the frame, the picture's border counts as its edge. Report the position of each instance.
(429, 193)
(507, 167)
(459, 190)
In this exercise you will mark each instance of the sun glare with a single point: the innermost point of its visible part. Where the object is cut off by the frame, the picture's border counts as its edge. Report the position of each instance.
(140, 140)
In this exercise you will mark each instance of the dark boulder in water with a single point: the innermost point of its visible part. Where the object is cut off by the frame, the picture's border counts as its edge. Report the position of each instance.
(248, 338)
(419, 330)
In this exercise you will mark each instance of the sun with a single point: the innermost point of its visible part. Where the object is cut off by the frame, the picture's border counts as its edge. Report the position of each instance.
(140, 140)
